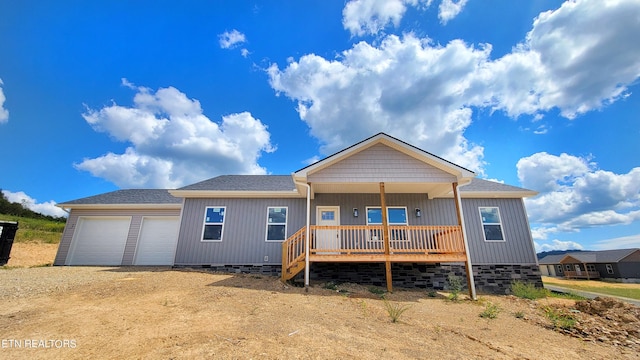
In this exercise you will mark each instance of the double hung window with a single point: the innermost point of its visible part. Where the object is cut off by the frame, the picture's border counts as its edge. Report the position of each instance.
(276, 223)
(213, 223)
(491, 224)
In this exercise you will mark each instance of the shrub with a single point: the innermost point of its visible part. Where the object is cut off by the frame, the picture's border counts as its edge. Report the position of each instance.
(376, 291)
(455, 286)
(395, 310)
(528, 290)
(490, 311)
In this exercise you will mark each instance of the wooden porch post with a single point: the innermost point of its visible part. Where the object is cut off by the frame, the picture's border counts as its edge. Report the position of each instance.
(586, 270)
(467, 264)
(385, 236)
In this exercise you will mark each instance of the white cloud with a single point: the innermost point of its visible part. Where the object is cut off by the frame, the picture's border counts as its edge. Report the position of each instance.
(173, 143)
(4, 113)
(449, 9)
(575, 194)
(405, 87)
(558, 245)
(46, 208)
(363, 17)
(425, 93)
(625, 242)
(577, 58)
(231, 39)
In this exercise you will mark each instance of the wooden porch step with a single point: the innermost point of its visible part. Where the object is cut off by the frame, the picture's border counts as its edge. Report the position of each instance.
(292, 271)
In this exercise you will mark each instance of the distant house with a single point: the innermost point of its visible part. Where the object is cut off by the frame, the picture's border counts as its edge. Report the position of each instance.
(611, 264)
(381, 212)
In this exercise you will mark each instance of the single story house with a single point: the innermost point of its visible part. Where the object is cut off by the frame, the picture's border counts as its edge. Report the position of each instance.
(605, 264)
(379, 212)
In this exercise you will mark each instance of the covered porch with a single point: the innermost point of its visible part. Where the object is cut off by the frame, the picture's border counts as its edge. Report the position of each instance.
(387, 234)
(380, 243)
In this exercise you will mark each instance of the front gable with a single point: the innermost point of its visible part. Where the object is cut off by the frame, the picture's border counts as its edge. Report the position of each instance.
(402, 167)
(380, 163)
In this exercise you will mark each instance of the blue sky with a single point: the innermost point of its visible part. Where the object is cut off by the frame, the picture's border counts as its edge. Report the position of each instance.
(101, 95)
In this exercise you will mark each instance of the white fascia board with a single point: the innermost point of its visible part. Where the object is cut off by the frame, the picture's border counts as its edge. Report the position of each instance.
(494, 194)
(235, 194)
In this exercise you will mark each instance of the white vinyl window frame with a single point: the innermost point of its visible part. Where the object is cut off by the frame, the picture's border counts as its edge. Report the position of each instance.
(591, 267)
(395, 235)
(490, 225)
(273, 222)
(406, 215)
(212, 223)
(560, 269)
(609, 268)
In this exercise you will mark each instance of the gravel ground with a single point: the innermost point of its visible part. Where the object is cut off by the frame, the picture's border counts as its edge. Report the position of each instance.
(16, 283)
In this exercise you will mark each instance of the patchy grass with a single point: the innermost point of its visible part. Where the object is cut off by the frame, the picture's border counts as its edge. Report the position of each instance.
(570, 296)
(560, 318)
(528, 291)
(628, 293)
(36, 230)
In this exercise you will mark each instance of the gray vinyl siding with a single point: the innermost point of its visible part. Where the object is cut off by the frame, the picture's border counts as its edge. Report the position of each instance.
(132, 237)
(627, 270)
(518, 245)
(434, 211)
(380, 163)
(244, 234)
(243, 241)
(516, 249)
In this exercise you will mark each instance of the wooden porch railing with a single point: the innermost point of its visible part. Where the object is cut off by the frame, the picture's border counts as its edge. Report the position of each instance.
(368, 239)
(293, 254)
(582, 274)
(366, 242)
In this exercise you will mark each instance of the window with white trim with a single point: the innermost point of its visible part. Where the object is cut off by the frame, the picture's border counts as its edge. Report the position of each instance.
(560, 271)
(491, 223)
(609, 268)
(591, 267)
(213, 223)
(568, 267)
(396, 215)
(277, 223)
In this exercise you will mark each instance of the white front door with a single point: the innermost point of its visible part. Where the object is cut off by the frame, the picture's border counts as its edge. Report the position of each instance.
(578, 271)
(328, 238)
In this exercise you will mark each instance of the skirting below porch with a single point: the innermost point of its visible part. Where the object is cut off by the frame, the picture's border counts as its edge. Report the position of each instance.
(493, 279)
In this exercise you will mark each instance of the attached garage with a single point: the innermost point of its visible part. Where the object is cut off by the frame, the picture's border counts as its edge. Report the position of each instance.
(157, 241)
(121, 228)
(99, 241)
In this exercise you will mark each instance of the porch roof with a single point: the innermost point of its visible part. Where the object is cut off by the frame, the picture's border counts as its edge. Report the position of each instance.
(602, 256)
(283, 185)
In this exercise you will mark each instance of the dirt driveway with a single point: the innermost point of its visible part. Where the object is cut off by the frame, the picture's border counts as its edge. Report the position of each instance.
(79, 313)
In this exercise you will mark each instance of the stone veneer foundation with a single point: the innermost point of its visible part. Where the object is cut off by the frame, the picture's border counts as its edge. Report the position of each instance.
(494, 279)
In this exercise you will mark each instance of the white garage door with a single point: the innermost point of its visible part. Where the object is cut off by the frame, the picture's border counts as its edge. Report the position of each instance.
(157, 241)
(99, 241)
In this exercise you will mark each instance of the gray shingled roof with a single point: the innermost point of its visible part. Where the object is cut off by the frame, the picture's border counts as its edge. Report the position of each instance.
(603, 256)
(245, 183)
(130, 196)
(551, 259)
(238, 183)
(481, 185)
(285, 183)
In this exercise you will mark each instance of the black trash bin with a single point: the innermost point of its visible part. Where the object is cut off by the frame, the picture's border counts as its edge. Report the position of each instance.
(7, 234)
